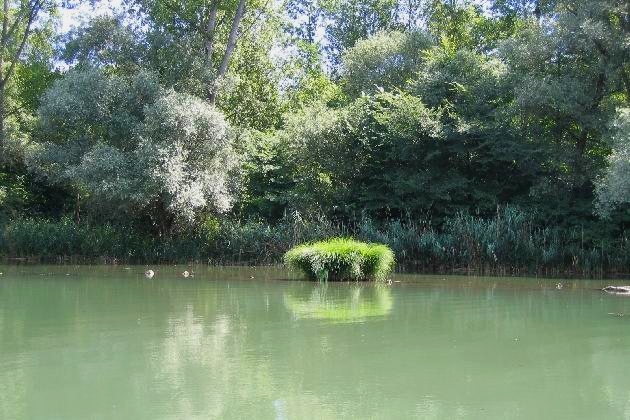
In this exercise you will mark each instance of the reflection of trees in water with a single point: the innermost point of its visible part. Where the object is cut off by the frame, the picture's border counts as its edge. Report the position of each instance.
(609, 360)
(13, 378)
(191, 345)
(341, 303)
(201, 369)
(207, 369)
(145, 350)
(13, 387)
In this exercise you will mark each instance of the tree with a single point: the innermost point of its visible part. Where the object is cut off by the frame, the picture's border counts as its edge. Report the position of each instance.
(185, 156)
(23, 21)
(441, 141)
(523, 9)
(267, 177)
(106, 42)
(387, 60)
(305, 80)
(474, 94)
(249, 95)
(311, 151)
(348, 21)
(215, 27)
(219, 50)
(326, 29)
(462, 24)
(130, 149)
(613, 189)
(569, 75)
(305, 19)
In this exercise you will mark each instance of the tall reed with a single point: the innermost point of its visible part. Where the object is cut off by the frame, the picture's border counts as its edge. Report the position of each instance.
(509, 242)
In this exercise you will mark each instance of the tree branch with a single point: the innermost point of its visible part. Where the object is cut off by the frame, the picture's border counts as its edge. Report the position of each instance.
(210, 32)
(35, 9)
(6, 35)
(5, 23)
(254, 21)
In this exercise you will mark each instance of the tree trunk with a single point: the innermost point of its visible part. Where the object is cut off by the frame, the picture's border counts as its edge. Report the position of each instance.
(210, 32)
(537, 12)
(3, 49)
(2, 130)
(229, 49)
(625, 75)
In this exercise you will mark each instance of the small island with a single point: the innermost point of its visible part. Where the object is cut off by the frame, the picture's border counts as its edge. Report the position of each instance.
(339, 259)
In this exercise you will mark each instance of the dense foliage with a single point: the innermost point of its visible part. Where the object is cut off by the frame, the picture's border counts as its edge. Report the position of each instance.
(463, 134)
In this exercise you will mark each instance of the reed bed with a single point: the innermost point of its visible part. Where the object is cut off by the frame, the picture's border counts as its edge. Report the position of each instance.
(508, 243)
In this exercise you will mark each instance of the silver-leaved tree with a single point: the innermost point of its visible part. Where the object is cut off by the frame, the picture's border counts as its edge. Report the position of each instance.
(128, 147)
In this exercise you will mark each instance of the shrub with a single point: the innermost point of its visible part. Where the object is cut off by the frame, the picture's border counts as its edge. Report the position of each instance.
(341, 259)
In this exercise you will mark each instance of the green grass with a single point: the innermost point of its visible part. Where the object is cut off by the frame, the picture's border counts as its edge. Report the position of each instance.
(341, 259)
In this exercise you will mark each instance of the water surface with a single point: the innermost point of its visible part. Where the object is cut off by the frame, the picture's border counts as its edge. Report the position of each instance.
(106, 343)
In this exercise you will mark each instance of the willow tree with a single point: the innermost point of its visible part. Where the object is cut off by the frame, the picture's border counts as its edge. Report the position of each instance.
(130, 149)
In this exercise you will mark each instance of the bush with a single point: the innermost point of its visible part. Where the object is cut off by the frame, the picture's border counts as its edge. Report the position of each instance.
(341, 259)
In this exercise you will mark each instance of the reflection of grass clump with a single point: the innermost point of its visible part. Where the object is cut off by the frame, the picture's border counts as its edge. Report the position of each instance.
(341, 259)
(357, 305)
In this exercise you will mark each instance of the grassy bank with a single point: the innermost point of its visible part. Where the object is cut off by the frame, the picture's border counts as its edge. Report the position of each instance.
(508, 243)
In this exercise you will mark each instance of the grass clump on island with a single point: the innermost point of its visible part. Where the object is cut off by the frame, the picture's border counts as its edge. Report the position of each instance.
(341, 259)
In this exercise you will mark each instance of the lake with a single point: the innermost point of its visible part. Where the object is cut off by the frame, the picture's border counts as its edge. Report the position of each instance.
(250, 343)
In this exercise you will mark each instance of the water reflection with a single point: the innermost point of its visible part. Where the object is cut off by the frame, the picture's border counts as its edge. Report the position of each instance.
(13, 388)
(193, 355)
(341, 303)
(223, 345)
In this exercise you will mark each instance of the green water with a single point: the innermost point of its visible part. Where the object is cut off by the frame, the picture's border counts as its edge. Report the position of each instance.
(106, 343)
